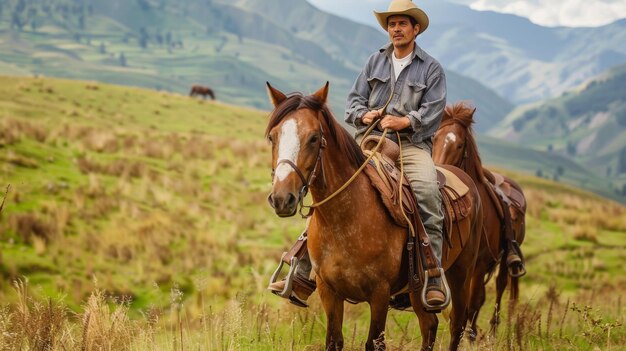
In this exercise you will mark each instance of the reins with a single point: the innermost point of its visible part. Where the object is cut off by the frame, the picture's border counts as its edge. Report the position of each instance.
(352, 178)
(358, 171)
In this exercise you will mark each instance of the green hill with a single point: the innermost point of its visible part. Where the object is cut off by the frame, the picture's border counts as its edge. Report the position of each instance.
(159, 200)
(587, 124)
(549, 165)
(232, 46)
(130, 186)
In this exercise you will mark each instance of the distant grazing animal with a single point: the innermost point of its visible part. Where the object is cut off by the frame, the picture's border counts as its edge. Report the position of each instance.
(454, 144)
(202, 91)
(358, 251)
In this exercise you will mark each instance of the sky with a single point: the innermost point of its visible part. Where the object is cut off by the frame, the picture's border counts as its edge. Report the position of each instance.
(550, 13)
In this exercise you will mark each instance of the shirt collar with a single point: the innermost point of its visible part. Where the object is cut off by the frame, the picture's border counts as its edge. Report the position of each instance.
(417, 51)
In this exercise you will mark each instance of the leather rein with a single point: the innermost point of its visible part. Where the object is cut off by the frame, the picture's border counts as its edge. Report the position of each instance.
(306, 181)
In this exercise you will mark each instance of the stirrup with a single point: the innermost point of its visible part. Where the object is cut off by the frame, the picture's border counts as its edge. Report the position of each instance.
(286, 293)
(516, 267)
(433, 308)
(516, 263)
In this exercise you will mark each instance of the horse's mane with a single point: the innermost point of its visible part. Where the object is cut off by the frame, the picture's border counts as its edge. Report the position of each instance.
(463, 114)
(331, 127)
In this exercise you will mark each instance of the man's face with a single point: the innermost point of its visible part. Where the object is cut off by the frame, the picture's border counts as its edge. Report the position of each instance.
(401, 32)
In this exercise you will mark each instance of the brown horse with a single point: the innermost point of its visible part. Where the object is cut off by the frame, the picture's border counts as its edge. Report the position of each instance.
(357, 250)
(454, 144)
(202, 91)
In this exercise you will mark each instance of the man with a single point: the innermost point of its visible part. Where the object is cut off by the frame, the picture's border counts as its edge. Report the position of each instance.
(412, 86)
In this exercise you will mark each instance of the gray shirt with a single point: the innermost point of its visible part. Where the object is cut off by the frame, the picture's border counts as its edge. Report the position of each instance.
(419, 93)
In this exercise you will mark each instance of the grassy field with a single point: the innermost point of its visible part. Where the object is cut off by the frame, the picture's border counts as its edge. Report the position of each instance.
(137, 220)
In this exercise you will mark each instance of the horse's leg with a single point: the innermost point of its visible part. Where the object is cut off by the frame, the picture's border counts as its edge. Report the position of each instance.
(460, 283)
(501, 283)
(333, 306)
(379, 305)
(428, 322)
(478, 297)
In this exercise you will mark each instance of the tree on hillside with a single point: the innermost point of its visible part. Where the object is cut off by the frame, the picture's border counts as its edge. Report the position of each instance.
(159, 39)
(143, 37)
(16, 21)
(620, 116)
(621, 163)
(560, 170)
(103, 48)
(570, 149)
(144, 5)
(32, 18)
(122, 60)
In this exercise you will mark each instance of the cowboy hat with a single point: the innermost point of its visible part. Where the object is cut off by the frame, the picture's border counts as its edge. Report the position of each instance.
(406, 8)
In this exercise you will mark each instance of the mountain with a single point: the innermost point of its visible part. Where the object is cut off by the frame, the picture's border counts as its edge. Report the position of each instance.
(233, 46)
(587, 123)
(521, 61)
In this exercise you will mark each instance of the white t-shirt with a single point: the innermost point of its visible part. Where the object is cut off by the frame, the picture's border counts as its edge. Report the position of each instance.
(399, 64)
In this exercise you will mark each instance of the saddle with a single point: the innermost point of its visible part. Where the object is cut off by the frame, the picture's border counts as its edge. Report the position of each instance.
(385, 177)
(508, 190)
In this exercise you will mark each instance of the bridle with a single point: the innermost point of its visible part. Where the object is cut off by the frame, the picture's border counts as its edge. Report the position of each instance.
(306, 181)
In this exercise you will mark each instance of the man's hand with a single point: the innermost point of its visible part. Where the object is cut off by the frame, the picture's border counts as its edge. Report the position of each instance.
(369, 116)
(395, 122)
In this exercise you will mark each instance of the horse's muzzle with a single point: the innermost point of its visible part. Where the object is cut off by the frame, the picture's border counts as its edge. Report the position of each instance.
(284, 204)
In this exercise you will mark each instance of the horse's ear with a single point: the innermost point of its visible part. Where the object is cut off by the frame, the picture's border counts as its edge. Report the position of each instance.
(322, 94)
(276, 97)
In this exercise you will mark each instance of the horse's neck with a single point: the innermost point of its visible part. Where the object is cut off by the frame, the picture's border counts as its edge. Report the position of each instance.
(471, 165)
(335, 172)
(471, 168)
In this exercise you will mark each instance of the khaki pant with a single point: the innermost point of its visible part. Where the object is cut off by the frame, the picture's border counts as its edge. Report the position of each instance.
(420, 169)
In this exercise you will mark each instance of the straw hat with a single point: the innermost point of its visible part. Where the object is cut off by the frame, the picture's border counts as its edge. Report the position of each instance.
(406, 8)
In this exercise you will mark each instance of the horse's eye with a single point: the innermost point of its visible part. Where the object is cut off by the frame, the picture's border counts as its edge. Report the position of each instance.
(459, 146)
(313, 139)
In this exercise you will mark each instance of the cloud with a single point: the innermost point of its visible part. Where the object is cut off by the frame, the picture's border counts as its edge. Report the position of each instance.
(570, 13)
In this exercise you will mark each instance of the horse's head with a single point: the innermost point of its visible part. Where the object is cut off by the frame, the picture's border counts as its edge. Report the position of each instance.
(296, 134)
(450, 141)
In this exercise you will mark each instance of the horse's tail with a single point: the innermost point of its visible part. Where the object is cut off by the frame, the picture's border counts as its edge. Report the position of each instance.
(211, 94)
